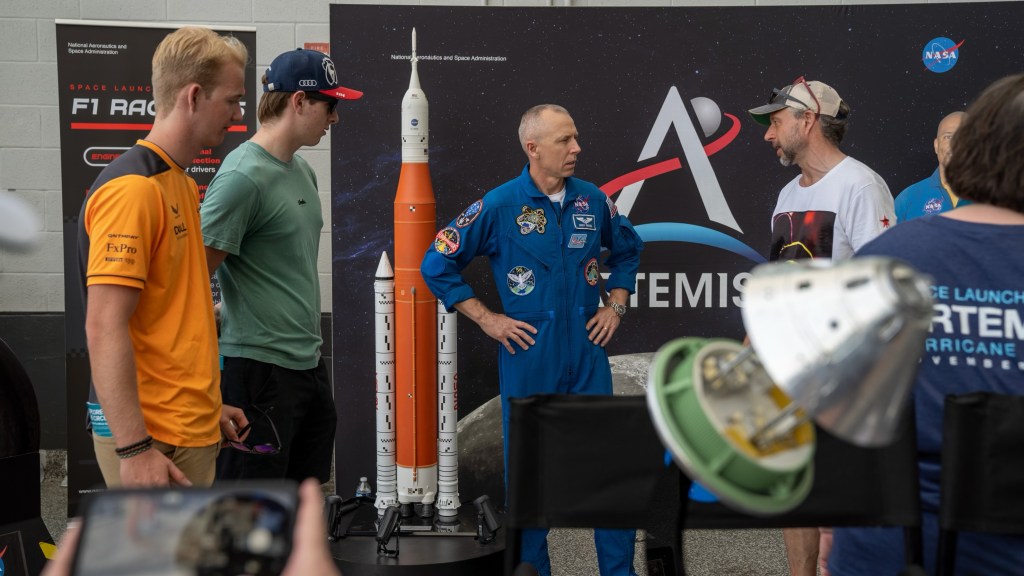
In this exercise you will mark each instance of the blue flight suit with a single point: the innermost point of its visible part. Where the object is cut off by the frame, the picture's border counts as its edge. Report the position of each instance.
(924, 198)
(545, 261)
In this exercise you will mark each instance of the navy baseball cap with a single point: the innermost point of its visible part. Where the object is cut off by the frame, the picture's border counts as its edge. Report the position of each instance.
(306, 71)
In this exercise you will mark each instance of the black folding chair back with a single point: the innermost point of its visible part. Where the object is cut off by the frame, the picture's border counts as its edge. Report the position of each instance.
(582, 461)
(596, 461)
(982, 470)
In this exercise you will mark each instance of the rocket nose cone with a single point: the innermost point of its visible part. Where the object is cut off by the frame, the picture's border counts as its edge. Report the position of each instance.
(384, 269)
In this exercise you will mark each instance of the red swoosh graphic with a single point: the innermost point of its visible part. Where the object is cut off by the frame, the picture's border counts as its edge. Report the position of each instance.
(726, 138)
(616, 184)
(641, 174)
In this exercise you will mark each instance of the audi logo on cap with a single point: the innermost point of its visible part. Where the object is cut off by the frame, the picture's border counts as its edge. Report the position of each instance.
(307, 83)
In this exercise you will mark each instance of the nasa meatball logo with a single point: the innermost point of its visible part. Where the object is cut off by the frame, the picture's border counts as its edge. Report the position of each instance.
(582, 205)
(941, 54)
(521, 280)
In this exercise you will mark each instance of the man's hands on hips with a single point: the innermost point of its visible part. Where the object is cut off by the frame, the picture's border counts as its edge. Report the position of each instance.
(498, 326)
(602, 326)
(508, 331)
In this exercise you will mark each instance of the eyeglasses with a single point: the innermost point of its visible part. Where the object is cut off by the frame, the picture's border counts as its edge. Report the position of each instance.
(259, 449)
(332, 103)
(777, 93)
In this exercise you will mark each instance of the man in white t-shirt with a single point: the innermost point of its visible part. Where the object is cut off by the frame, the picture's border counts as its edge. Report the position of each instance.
(835, 206)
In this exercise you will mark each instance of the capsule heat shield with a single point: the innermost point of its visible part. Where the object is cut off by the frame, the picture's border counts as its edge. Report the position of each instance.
(706, 422)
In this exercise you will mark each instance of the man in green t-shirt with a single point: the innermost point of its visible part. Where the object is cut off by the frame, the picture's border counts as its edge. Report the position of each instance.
(261, 223)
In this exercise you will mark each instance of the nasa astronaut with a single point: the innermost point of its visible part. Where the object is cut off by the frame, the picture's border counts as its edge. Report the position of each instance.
(543, 233)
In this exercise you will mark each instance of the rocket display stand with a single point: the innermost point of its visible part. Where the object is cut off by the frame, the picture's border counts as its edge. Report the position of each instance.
(421, 553)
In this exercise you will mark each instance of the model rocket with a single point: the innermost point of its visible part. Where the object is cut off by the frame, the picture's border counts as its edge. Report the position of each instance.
(408, 365)
(384, 347)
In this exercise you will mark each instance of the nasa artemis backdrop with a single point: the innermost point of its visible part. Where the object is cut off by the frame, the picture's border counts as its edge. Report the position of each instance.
(659, 96)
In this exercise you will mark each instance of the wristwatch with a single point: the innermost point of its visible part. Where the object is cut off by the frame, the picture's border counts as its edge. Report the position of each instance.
(619, 308)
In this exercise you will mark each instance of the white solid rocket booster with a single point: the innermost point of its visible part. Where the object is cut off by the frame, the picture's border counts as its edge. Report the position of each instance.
(384, 321)
(448, 414)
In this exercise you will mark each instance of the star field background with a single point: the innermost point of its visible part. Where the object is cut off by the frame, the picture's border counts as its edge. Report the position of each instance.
(612, 68)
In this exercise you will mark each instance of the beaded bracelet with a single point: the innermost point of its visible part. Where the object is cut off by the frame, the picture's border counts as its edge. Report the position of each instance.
(134, 449)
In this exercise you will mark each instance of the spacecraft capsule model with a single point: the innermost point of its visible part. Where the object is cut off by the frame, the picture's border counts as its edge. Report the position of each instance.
(415, 314)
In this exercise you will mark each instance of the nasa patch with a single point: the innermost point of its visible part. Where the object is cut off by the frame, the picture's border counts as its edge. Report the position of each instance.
(531, 220)
(447, 241)
(521, 280)
(590, 272)
(469, 214)
(584, 221)
(577, 241)
(941, 54)
(581, 204)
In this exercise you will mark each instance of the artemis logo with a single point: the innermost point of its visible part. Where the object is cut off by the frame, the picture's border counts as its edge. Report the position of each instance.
(673, 114)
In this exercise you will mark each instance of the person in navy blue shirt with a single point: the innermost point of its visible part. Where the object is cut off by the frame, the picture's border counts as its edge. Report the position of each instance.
(543, 233)
(976, 344)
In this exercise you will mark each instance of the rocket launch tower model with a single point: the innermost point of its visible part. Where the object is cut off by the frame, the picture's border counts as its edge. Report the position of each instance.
(416, 340)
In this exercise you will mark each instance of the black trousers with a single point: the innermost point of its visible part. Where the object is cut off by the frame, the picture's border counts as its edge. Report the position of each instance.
(299, 404)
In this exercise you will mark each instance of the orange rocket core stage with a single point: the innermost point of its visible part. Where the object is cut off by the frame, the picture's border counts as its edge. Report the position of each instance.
(415, 321)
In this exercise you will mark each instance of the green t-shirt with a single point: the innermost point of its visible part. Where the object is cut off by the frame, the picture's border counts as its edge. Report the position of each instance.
(266, 215)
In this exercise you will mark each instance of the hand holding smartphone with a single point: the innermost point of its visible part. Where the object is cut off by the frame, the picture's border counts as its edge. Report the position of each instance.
(241, 528)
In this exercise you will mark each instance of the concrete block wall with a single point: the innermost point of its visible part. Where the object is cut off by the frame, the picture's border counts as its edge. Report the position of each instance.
(29, 137)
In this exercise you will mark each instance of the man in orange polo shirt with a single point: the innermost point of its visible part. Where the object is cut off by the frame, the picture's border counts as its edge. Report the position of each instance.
(155, 406)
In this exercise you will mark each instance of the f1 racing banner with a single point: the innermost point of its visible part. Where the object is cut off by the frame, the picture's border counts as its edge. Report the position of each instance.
(659, 96)
(106, 104)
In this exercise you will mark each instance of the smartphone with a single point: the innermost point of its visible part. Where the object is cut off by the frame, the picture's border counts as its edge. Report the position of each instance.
(238, 528)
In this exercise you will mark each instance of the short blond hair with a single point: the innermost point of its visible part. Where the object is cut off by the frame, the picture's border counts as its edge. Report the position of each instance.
(192, 54)
(529, 124)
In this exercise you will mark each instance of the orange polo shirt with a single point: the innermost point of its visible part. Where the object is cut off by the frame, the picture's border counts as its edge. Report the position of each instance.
(141, 221)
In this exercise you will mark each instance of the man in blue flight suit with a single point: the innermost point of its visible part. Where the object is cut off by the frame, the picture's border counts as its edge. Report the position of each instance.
(933, 194)
(543, 233)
